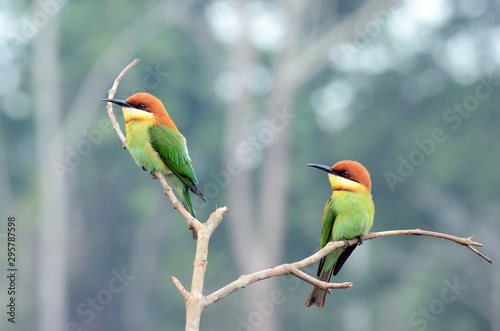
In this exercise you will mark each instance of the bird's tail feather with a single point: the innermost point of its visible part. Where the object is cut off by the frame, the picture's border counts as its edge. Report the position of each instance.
(186, 202)
(197, 191)
(318, 296)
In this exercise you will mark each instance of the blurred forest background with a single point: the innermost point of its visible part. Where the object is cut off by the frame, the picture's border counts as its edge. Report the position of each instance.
(259, 89)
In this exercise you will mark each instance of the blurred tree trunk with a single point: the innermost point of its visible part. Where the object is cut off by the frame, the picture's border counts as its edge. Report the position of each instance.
(240, 186)
(257, 225)
(246, 242)
(6, 201)
(53, 192)
(144, 260)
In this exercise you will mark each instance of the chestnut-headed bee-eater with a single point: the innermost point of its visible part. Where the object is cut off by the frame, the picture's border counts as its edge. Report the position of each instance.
(156, 144)
(348, 214)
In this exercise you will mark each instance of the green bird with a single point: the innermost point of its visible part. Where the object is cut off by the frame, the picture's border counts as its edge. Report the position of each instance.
(348, 214)
(156, 144)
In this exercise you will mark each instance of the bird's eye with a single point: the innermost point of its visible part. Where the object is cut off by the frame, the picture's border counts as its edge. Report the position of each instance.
(345, 174)
(141, 106)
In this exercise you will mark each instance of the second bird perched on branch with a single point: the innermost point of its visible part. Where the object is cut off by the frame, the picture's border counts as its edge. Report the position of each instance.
(348, 214)
(156, 144)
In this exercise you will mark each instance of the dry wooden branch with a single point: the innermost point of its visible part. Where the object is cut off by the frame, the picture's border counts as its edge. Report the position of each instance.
(109, 106)
(182, 290)
(281, 270)
(467, 242)
(196, 302)
(294, 268)
(193, 223)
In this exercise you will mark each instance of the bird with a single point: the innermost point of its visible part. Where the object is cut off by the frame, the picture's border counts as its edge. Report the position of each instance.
(155, 143)
(348, 214)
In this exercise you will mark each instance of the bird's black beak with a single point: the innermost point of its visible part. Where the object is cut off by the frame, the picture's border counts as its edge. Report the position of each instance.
(324, 168)
(119, 102)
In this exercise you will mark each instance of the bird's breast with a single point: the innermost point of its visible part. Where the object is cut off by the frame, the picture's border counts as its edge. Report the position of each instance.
(355, 211)
(139, 145)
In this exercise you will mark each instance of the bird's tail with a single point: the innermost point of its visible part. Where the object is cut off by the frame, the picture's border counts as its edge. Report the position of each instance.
(186, 202)
(194, 188)
(317, 296)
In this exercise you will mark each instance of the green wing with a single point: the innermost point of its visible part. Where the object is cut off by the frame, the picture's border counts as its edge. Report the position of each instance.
(329, 216)
(171, 146)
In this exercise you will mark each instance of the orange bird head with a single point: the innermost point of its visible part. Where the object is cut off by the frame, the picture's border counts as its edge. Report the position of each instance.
(347, 176)
(140, 105)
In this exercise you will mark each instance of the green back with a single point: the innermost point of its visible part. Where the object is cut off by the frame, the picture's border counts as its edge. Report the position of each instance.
(171, 146)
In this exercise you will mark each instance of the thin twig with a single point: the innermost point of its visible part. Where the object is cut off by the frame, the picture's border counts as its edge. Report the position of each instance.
(109, 106)
(182, 290)
(316, 282)
(192, 222)
(281, 270)
(467, 242)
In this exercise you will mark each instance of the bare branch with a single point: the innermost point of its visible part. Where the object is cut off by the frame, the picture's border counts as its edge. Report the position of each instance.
(194, 305)
(215, 219)
(479, 253)
(112, 91)
(467, 242)
(294, 268)
(109, 106)
(281, 270)
(193, 223)
(182, 290)
(316, 282)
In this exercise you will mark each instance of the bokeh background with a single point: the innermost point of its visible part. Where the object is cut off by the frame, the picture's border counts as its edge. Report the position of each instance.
(259, 89)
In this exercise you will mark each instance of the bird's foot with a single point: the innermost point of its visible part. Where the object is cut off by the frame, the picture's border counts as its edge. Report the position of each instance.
(360, 241)
(346, 243)
(152, 173)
